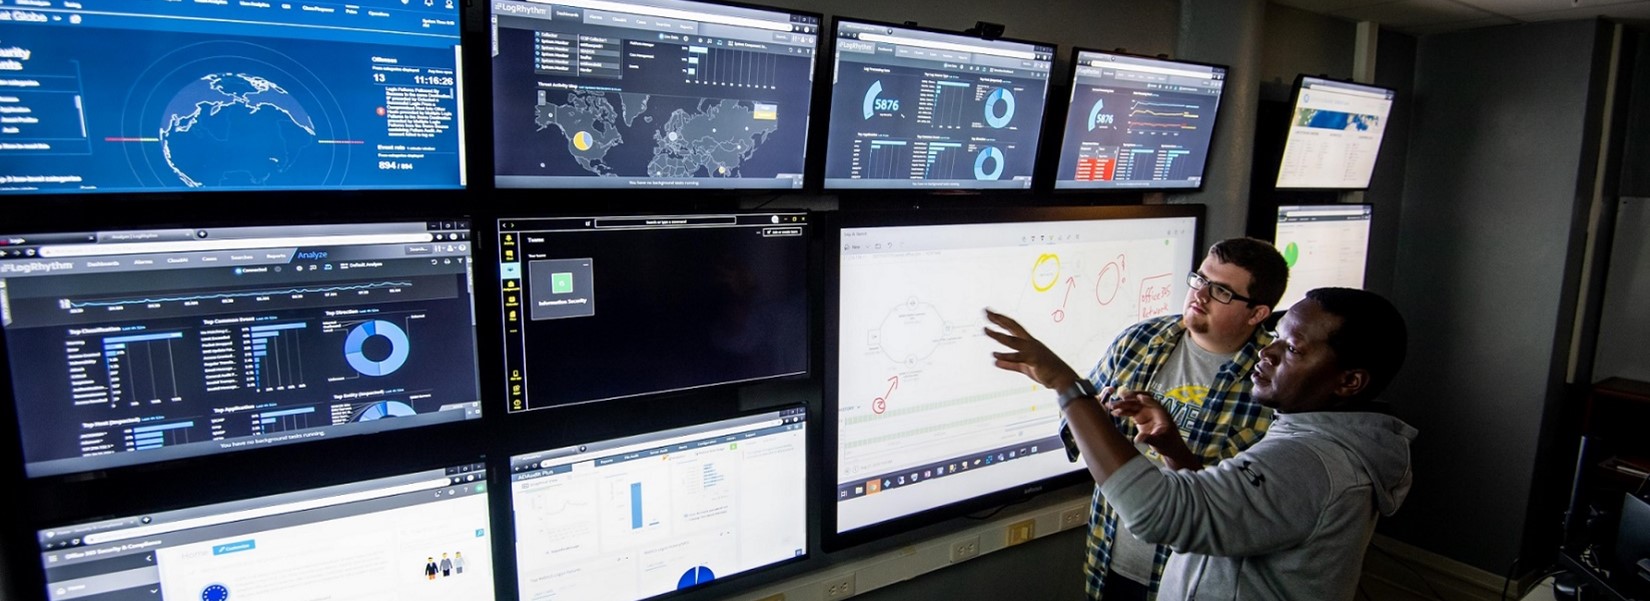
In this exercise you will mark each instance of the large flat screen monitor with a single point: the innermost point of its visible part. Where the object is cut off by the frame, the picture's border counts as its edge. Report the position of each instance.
(923, 109)
(151, 96)
(1138, 122)
(1334, 135)
(422, 536)
(135, 346)
(607, 307)
(920, 425)
(650, 94)
(638, 517)
(1324, 245)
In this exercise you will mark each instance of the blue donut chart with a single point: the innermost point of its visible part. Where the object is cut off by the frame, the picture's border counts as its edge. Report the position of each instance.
(695, 576)
(1003, 98)
(990, 153)
(871, 98)
(399, 347)
(1094, 113)
(383, 409)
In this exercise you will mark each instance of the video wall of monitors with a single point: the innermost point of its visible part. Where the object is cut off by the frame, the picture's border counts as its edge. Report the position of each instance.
(920, 426)
(423, 535)
(1324, 245)
(650, 94)
(599, 308)
(646, 515)
(127, 347)
(1334, 136)
(922, 109)
(126, 96)
(1138, 122)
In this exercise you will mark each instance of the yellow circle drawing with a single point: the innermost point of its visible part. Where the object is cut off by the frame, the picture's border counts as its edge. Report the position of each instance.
(1044, 278)
(582, 140)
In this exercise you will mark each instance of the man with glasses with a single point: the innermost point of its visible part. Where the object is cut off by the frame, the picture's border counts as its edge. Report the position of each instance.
(1203, 385)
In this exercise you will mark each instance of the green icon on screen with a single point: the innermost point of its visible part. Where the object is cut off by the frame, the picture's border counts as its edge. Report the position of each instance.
(561, 283)
(1291, 253)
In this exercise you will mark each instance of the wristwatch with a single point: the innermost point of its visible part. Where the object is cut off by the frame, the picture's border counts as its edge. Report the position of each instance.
(1079, 388)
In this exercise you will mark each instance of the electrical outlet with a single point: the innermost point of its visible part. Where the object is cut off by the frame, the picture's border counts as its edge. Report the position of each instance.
(1021, 531)
(965, 549)
(1074, 518)
(840, 587)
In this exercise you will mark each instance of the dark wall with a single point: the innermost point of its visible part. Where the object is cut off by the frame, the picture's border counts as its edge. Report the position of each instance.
(1394, 68)
(1635, 177)
(1490, 216)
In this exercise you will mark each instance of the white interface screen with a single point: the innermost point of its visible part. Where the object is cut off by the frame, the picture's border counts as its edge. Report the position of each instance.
(923, 417)
(1325, 246)
(1334, 135)
(637, 517)
(420, 536)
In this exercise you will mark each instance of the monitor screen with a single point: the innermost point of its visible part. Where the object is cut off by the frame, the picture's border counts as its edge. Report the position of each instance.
(418, 536)
(135, 346)
(636, 517)
(1137, 122)
(1334, 135)
(921, 419)
(650, 94)
(652, 304)
(914, 108)
(128, 96)
(1324, 245)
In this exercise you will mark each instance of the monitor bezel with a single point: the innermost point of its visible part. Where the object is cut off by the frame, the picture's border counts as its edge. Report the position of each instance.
(1287, 125)
(532, 195)
(831, 538)
(1208, 152)
(823, 110)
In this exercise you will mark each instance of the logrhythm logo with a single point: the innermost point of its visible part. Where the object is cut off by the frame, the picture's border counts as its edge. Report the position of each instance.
(312, 255)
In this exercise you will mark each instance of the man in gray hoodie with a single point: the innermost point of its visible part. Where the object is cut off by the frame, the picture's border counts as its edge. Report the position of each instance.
(1289, 518)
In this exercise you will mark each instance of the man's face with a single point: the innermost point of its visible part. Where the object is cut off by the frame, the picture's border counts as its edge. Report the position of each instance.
(1205, 315)
(1298, 371)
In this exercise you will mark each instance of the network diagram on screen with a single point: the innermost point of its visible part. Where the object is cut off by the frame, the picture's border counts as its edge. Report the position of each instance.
(198, 341)
(121, 96)
(919, 109)
(635, 518)
(924, 418)
(665, 93)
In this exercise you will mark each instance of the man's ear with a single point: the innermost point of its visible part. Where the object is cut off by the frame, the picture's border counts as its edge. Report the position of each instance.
(1258, 314)
(1352, 383)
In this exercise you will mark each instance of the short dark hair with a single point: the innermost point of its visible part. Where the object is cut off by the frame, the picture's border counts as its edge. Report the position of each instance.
(1269, 274)
(1372, 335)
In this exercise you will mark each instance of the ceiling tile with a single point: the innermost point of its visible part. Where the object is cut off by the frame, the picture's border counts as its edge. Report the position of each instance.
(1521, 7)
(1626, 10)
(1408, 13)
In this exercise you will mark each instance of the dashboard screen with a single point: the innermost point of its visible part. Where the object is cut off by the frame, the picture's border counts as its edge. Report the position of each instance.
(135, 346)
(637, 517)
(1137, 122)
(921, 109)
(650, 94)
(156, 96)
(421, 536)
(1334, 136)
(1324, 245)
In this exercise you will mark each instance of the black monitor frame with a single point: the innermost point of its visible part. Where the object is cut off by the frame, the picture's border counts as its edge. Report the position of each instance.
(1059, 123)
(831, 540)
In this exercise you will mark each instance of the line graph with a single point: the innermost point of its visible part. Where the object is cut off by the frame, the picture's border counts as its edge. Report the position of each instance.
(69, 304)
(1164, 116)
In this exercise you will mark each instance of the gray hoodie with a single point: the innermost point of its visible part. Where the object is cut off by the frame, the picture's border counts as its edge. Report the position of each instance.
(1289, 518)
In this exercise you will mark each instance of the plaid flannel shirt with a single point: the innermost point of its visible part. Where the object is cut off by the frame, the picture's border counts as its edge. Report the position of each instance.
(1230, 422)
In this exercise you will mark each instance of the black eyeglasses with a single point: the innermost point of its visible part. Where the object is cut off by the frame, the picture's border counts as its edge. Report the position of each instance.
(1219, 292)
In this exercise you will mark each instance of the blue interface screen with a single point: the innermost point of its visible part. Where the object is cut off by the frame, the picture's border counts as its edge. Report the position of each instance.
(161, 96)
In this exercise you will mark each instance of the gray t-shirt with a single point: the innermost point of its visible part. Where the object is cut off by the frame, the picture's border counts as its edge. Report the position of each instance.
(1181, 384)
